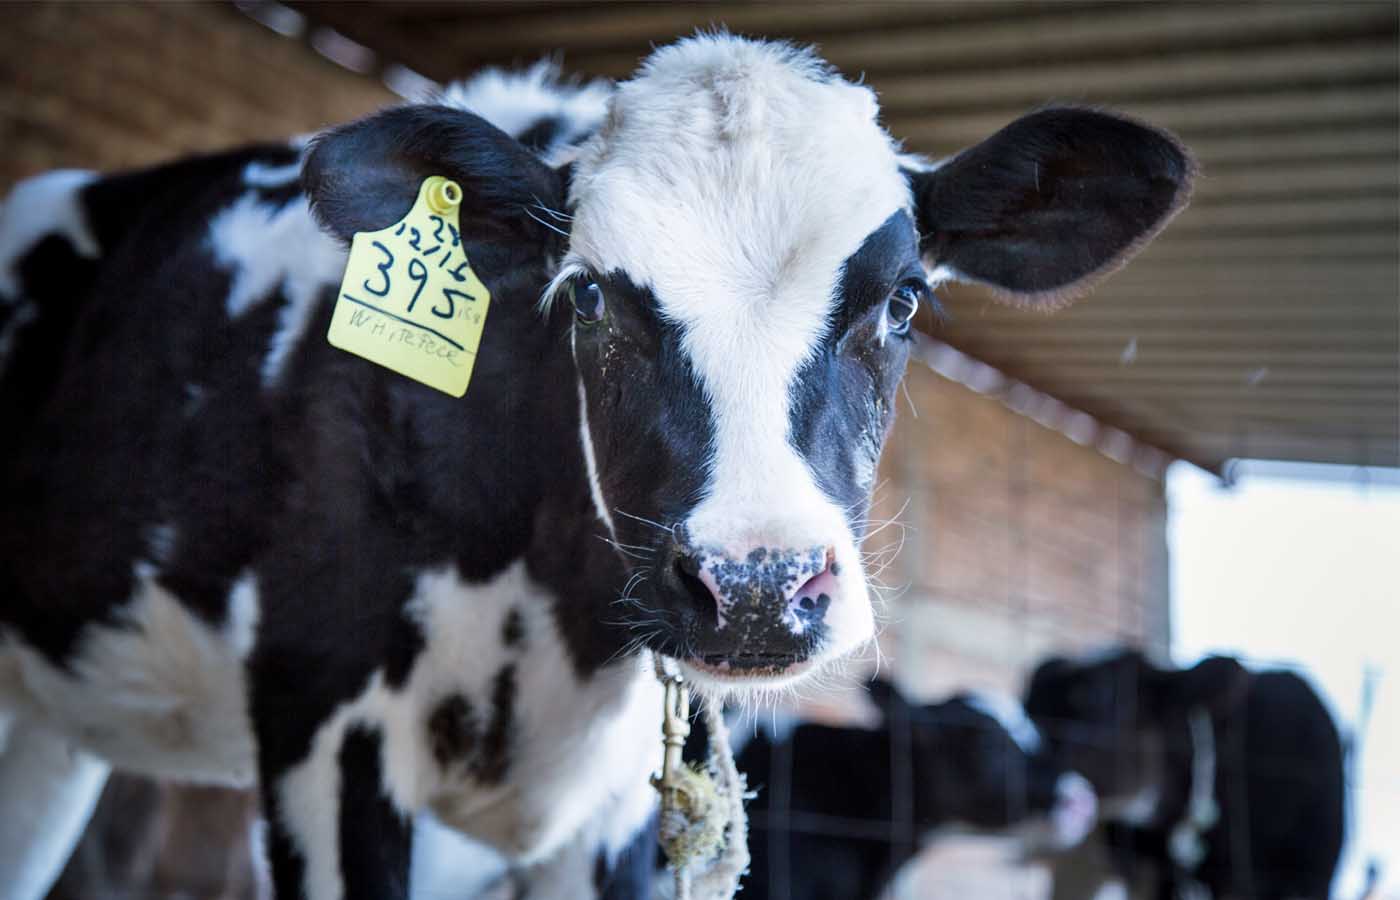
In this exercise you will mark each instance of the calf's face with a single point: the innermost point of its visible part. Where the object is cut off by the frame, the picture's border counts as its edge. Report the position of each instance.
(744, 250)
(978, 760)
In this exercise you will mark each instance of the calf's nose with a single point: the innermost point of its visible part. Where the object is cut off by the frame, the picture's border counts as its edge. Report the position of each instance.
(794, 586)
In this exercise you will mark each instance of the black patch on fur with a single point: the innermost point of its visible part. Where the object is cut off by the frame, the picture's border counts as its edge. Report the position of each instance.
(652, 429)
(843, 398)
(102, 450)
(542, 133)
(452, 730)
(375, 840)
(513, 629)
(492, 763)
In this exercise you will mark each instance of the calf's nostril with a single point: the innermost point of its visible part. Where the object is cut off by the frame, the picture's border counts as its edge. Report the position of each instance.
(687, 571)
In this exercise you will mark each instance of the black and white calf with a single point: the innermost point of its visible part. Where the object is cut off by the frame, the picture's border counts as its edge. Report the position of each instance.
(838, 811)
(1212, 777)
(231, 552)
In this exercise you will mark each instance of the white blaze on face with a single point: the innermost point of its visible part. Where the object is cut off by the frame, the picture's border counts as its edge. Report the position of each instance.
(734, 179)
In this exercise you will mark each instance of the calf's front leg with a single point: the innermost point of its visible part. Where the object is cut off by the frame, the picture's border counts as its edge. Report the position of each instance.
(334, 832)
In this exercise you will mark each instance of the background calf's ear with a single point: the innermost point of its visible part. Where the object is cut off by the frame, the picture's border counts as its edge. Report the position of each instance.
(364, 176)
(1050, 202)
(1217, 683)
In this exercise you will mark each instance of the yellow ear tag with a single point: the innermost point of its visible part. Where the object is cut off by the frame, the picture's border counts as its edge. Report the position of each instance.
(409, 300)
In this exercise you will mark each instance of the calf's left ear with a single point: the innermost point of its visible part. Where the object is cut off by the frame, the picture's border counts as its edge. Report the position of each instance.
(1054, 200)
(365, 176)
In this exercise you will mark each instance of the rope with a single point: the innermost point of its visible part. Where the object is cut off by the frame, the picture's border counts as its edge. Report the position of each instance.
(702, 810)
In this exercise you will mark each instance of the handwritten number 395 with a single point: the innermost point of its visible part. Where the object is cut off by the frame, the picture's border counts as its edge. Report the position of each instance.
(418, 272)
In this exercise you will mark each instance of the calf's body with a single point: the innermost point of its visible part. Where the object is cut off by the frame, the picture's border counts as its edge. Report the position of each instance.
(230, 552)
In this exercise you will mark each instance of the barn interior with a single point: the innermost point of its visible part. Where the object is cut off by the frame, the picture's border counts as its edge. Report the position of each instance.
(1025, 484)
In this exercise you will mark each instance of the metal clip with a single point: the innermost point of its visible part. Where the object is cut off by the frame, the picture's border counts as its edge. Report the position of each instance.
(675, 728)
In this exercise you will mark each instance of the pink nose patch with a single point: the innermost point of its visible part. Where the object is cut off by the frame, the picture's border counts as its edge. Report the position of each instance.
(810, 601)
(796, 587)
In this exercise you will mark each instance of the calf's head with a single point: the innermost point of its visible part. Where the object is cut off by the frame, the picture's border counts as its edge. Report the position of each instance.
(978, 760)
(743, 248)
(1108, 717)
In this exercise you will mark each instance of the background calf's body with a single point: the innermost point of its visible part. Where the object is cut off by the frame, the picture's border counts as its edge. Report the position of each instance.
(1213, 775)
(839, 809)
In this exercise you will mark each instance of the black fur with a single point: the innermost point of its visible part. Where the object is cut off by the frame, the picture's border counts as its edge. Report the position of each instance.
(1279, 780)
(374, 837)
(494, 760)
(843, 399)
(453, 730)
(826, 823)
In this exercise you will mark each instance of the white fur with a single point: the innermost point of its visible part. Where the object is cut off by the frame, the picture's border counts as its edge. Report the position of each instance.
(448, 865)
(580, 754)
(270, 247)
(258, 174)
(514, 101)
(581, 749)
(590, 460)
(1139, 809)
(47, 793)
(1187, 843)
(241, 629)
(1076, 810)
(734, 179)
(160, 543)
(159, 692)
(36, 207)
(1011, 716)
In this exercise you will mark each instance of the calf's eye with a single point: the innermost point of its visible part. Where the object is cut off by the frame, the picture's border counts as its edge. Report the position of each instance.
(588, 302)
(903, 303)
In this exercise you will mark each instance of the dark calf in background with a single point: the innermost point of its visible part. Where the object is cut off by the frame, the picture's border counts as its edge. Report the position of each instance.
(1214, 776)
(839, 810)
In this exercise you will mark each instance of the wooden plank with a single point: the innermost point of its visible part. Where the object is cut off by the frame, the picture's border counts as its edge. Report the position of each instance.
(1381, 402)
(1117, 81)
(1277, 214)
(1273, 180)
(1370, 107)
(1372, 245)
(1224, 375)
(1319, 146)
(1170, 357)
(1144, 274)
(1122, 31)
(600, 28)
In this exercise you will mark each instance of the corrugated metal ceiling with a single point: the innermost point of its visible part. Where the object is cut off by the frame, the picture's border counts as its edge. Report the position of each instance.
(1264, 323)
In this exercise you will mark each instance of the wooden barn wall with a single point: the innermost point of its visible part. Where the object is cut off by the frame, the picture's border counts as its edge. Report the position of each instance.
(1017, 542)
(117, 85)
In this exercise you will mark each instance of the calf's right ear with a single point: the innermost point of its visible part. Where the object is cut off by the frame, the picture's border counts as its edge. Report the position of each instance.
(365, 176)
